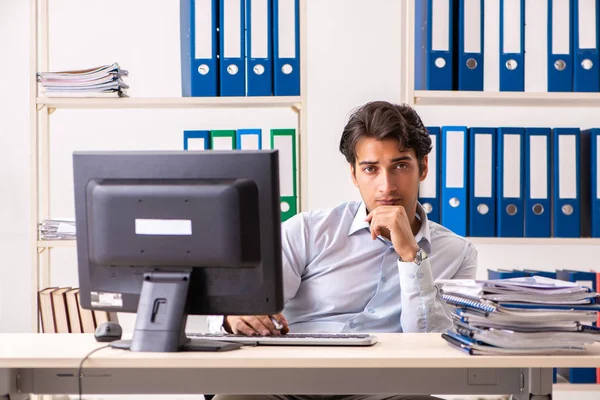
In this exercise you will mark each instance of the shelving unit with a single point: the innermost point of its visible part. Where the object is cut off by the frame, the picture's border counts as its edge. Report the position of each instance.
(293, 102)
(504, 99)
(53, 244)
(486, 99)
(41, 108)
(475, 98)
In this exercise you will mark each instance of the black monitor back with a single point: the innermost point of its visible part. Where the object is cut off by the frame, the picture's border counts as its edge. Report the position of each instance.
(141, 225)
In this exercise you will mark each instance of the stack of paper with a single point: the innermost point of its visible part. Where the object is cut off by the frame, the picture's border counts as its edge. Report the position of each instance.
(57, 229)
(104, 81)
(532, 315)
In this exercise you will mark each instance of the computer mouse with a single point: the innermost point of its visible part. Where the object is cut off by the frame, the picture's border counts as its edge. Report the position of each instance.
(108, 332)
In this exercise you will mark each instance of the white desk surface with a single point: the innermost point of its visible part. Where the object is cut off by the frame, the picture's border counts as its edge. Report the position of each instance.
(404, 350)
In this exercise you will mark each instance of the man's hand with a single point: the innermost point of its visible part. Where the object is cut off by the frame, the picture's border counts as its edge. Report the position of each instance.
(251, 325)
(392, 222)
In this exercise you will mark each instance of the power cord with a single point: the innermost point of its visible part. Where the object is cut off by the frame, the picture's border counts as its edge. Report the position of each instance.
(80, 372)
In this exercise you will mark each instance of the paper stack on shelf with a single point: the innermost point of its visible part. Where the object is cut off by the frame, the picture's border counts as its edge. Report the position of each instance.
(104, 81)
(57, 229)
(532, 315)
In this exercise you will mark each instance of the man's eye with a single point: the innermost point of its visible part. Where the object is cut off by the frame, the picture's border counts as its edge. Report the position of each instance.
(368, 170)
(402, 166)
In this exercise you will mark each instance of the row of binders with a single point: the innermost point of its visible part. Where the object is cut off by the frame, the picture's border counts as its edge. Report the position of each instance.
(507, 45)
(103, 81)
(283, 140)
(514, 182)
(61, 312)
(588, 279)
(526, 315)
(240, 48)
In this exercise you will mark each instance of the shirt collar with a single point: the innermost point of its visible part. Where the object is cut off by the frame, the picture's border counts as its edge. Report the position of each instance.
(359, 220)
(423, 236)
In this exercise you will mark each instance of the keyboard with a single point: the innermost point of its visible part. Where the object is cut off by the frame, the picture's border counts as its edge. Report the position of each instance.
(293, 339)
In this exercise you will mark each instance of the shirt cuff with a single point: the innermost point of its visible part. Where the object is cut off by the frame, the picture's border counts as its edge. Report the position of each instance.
(415, 278)
(215, 324)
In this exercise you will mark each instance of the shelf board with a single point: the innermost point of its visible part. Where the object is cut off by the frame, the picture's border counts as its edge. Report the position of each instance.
(571, 387)
(517, 99)
(46, 244)
(534, 241)
(172, 102)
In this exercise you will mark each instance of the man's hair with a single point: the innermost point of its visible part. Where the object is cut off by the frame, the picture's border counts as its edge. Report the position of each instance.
(382, 120)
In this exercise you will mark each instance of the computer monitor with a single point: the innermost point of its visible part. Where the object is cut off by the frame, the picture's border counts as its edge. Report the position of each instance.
(167, 234)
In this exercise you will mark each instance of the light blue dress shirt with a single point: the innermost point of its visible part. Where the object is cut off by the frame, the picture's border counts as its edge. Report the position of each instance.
(338, 279)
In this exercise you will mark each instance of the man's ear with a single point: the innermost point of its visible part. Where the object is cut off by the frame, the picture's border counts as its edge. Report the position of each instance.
(425, 168)
(353, 175)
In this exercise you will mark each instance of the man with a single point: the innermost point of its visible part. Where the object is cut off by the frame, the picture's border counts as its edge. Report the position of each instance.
(369, 266)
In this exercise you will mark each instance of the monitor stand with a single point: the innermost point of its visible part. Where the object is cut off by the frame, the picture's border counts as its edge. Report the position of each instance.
(161, 318)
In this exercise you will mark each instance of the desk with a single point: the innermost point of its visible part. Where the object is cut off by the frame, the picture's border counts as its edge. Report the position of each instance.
(400, 363)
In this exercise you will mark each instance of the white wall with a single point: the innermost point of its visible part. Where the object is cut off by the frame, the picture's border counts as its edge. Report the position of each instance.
(353, 57)
(15, 270)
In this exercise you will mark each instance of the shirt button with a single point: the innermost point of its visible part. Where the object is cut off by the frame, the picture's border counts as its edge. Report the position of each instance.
(352, 325)
(412, 276)
(383, 279)
(372, 311)
(420, 275)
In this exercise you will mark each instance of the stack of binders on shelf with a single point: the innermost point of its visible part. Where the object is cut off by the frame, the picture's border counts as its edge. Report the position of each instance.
(514, 182)
(507, 45)
(283, 140)
(61, 312)
(240, 48)
(530, 315)
(104, 81)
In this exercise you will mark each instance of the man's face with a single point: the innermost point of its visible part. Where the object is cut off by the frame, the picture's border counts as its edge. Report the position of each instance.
(387, 175)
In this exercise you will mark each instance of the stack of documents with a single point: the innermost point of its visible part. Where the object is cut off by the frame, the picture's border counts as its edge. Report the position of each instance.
(104, 81)
(57, 229)
(531, 315)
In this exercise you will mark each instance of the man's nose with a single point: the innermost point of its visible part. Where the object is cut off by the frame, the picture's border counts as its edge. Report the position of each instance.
(387, 183)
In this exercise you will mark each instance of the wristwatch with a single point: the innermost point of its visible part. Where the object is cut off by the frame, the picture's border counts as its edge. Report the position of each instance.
(420, 256)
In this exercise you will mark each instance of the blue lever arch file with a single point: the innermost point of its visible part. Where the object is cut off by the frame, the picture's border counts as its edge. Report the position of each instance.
(196, 140)
(538, 215)
(470, 45)
(232, 48)
(595, 182)
(259, 40)
(286, 47)
(454, 179)
(440, 44)
(249, 139)
(510, 222)
(429, 189)
(512, 46)
(199, 49)
(566, 171)
(560, 47)
(586, 46)
(482, 179)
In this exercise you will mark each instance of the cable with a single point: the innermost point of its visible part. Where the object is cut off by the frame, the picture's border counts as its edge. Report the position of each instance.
(80, 372)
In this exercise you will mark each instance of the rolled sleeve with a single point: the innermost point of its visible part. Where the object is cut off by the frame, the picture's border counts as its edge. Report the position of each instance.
(423, 310)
